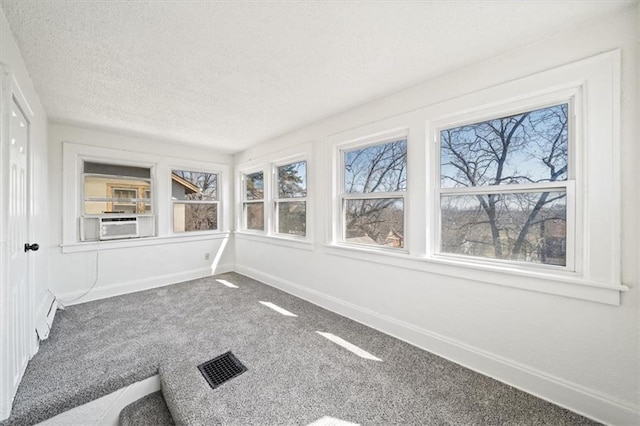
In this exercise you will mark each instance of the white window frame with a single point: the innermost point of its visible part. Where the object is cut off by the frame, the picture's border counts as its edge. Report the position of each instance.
(277, 200)
(596, 274)
(342, 196)
(594, 86)
(73, 155)
(245, 201)
(216, 202)
(572, 97)
(269, 164)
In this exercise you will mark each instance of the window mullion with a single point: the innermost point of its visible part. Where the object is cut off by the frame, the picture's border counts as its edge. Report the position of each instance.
(373, 195)
(497, 189)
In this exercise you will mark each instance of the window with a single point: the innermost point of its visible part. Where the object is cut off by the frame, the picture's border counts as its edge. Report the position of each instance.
(374, 182)
(195, 201)
(274, 205)
(505, 185)
(291, 199)
(522, 184)
(116, 189)
(253, 201)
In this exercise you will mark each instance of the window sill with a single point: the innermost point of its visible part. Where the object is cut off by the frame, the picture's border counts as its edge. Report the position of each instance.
(139, 242)
(568, 285)
(291, 242)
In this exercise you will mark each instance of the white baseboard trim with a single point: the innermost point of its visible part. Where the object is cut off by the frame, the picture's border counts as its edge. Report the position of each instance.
(104, 292)
(574, 397)
(105, 411)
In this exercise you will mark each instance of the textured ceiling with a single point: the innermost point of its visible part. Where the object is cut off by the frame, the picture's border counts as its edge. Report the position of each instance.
(233, 74)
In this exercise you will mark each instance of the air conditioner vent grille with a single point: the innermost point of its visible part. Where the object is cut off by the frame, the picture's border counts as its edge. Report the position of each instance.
(221, 369)
(121, 227)
(119, 231)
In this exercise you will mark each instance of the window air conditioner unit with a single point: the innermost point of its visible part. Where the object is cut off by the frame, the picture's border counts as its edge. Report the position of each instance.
(112, 228)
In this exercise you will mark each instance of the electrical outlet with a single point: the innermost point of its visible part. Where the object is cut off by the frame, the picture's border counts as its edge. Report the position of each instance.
(207, 256)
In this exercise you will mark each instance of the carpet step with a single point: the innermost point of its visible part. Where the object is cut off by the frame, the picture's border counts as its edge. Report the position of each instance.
(150, 410)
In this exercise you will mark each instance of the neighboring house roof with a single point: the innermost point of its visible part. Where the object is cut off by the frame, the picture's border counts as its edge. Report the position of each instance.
(188, 185)
(365, 239)
(394, 239)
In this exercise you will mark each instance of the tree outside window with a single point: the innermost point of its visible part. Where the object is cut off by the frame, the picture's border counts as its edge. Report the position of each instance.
(375, 182)
(195, 201)
(503, 187)
(291, 201)
(253, 204)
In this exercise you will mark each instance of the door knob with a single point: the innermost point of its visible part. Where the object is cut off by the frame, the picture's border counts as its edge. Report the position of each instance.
(33, 247)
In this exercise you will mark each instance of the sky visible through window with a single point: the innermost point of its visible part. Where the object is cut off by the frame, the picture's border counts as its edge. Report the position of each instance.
(204, 186)
(525, 148)
(292, 180)
(378, 168)
(254, 186)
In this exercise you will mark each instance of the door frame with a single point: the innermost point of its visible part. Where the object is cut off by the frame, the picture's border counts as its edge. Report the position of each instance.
(9, 90)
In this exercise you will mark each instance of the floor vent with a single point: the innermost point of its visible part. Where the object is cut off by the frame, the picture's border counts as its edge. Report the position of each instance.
(221, 369)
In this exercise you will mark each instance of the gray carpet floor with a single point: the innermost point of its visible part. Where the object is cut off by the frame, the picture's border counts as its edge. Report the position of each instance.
(295, 376)
(150, 410)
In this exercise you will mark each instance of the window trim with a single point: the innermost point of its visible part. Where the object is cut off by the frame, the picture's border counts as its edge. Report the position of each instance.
(547, 282)
(73, 155)
(269, 163)
(217, 202)
(572, 97)
(340, 149)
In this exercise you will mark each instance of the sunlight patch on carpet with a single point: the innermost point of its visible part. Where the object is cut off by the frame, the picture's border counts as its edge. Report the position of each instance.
(331, 421)
(227, 283)
(348, 346)
(278, 309)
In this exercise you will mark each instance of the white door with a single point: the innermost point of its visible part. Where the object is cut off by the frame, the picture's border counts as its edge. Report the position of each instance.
(18, 327)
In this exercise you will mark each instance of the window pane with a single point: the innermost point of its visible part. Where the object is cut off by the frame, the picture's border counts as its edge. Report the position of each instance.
(524, 148)
(127, 194)
(529, 227)
(379, 168)
(254, 186)
(292, 180)
(375, 221)
(95, 207)
(292, 217)
(115, 187)
(195, 217)
(124, 208)
(186, 185)
(254, 216)
(118, 195)
(116, 206)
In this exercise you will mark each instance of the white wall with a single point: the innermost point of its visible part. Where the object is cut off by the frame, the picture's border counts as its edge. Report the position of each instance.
(11, 59)
(579, 354)
(133, 265)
